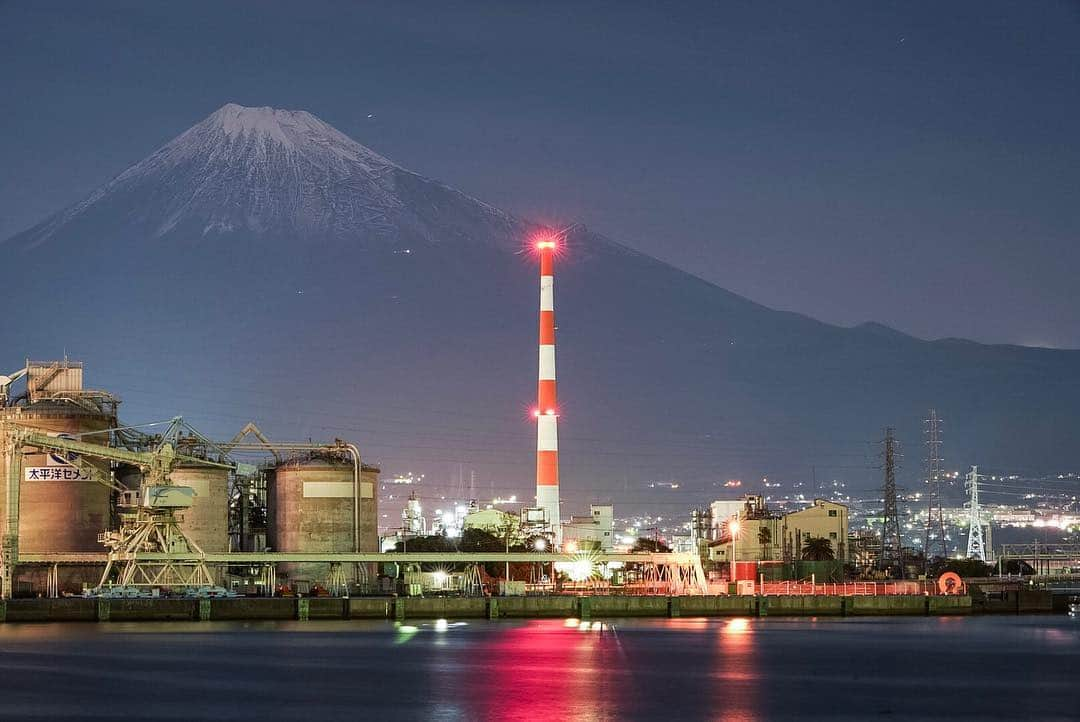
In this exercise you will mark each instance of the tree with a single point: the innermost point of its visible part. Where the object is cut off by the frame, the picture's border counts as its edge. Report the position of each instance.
(644, 544)
(764, 537)
(433, 543)
(478, 540)
(966, 568)
(818, 549)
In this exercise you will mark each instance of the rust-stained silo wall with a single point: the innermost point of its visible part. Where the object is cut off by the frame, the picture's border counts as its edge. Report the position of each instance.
(60, 515)
(311, 510)
(206, 522)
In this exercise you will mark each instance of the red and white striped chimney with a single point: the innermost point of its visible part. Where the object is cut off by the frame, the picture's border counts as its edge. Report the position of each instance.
(547, 410)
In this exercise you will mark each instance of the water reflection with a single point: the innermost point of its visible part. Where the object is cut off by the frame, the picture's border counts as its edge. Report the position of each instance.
(735, 677)
(541, 669)
(673, 670)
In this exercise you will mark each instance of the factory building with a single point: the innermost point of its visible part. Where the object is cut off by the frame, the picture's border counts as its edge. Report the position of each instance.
(595, 531)
(719, 513)
(761, 535)
(823, 520)
(494, 521)
(319, 500)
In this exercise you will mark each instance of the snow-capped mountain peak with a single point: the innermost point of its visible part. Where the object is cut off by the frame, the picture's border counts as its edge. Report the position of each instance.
(260, 170)
(291, 129)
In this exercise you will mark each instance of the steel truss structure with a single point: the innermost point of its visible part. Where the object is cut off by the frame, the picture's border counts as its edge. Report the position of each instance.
(151, 529)
(1044, 558)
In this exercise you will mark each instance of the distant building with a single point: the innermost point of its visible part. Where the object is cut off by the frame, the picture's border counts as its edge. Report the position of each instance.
(765, 536)
(413, 522)
(864, 548)
(758, 536)
(682, 544)
(496, 522)
(825, 519)
(720, 512)
(596, 531)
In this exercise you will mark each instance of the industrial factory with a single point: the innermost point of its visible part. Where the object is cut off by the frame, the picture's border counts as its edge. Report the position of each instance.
(98, 507)
(86, 495)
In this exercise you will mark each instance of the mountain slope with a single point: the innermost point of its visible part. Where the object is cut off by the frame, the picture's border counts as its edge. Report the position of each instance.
(263, 264)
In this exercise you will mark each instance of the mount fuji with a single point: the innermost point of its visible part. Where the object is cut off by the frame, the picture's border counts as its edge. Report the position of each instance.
(264, 265)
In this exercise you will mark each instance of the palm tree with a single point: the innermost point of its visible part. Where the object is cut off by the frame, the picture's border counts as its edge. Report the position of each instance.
(764, 537)
(818, 549)
(644, 544)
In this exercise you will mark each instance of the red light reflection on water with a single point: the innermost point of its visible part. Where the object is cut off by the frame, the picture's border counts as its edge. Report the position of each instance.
(736, 677)
(547, 670)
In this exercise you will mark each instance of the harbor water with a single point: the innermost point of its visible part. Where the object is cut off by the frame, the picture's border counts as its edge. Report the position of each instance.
(982, 667)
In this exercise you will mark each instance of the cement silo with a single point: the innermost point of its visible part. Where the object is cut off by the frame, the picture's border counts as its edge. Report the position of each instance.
(314, 508)
(206, 521)
(61, 509)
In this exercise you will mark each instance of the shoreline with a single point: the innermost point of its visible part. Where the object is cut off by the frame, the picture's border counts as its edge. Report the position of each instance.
(541, 607)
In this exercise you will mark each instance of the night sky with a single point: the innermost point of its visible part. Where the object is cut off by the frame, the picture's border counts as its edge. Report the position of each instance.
(916, 164)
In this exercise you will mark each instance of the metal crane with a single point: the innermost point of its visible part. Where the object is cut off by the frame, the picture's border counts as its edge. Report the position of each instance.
(6, 381)
(148, 523)
(251, 428)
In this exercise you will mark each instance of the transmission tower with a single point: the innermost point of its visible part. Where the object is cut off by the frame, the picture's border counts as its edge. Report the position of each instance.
(976, 547)
(890, 556)
(934, 540)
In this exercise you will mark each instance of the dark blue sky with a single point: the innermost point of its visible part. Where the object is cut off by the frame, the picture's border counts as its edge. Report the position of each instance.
(912, 163)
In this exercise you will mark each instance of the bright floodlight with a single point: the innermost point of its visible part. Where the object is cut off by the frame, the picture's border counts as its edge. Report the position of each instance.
(545, 243)
(734, 526)
(540, 545)
(570, 547)
(580, 570)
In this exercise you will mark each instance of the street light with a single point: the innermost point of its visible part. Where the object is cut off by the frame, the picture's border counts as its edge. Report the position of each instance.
(540, 544)
(733, 527)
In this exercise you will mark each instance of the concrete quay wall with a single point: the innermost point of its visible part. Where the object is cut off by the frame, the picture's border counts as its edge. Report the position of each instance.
(401, 608)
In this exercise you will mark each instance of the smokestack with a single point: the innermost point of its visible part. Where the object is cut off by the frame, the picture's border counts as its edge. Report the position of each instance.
(547, 410)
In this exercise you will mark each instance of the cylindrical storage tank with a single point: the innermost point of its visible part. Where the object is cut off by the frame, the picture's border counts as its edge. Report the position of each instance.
(311, 509)
(206, 521)
(59, 511)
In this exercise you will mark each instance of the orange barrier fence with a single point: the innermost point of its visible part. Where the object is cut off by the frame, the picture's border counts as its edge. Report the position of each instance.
(846, 589)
